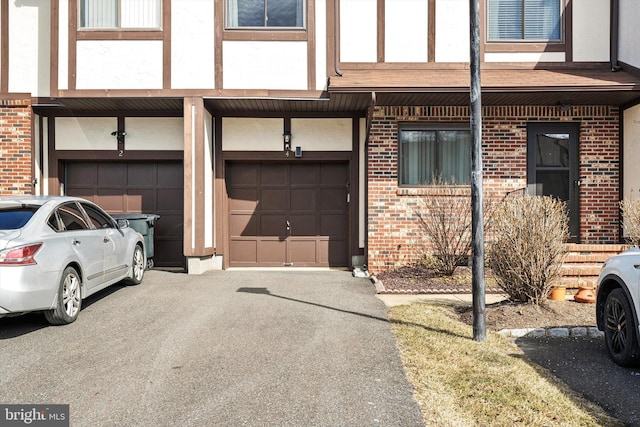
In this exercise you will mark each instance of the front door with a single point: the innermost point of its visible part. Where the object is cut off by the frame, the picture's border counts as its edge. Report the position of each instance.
(552, 166)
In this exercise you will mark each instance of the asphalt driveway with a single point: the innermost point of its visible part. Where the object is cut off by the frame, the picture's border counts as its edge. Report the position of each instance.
(227, 348)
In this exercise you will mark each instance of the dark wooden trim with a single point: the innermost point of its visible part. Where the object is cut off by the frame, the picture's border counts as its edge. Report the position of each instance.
(53, 47)
(498, 47)
(180, 93)
(15, 96)
(568, 31)
(110, 113)
(380, 42)
(431, 31)
(73, 33)
(218, 37)
(311, 45)
(220, 222)
(309, 156)
(4, 46)
(188, 245)
(331, 38)
(259, 35)
(354, 190)
(53, 163)
(112, 155)
(117, 34)
(359, 66)
(166, 44)
(199, 177)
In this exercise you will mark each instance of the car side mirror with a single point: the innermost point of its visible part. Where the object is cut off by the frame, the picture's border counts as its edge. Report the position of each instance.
(123, 223)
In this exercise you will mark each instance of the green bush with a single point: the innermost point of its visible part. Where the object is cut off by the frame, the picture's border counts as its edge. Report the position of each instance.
(528, 246)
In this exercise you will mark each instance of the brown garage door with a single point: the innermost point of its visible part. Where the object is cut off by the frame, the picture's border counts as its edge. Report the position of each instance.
(149, 187)
(293, 214)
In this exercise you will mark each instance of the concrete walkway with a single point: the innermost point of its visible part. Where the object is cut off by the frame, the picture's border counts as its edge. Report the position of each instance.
(227, 348)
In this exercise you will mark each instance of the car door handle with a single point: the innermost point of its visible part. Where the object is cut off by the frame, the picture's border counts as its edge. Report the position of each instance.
(75, 242)
(106, 240)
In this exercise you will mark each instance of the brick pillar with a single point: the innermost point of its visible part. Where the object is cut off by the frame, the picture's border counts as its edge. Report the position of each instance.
(15, 147)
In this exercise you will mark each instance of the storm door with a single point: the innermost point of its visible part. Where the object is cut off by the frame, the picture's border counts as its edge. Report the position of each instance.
(552, 166)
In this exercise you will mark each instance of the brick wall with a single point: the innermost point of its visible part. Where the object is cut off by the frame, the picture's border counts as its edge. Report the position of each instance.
(393, 236)
(15, 146)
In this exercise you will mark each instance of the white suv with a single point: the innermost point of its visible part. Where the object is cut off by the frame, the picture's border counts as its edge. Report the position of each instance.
(618, 304)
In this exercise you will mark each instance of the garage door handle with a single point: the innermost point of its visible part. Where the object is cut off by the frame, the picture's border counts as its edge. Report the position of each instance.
(288, 226)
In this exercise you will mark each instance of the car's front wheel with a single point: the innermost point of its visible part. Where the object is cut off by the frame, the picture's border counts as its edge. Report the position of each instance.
(69, 299)
(620, 330)
(137, 266)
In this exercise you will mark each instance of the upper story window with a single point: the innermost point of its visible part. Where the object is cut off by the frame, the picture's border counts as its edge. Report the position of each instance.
(265, 13)
(526, 20)
(428, 156)
(117, 14)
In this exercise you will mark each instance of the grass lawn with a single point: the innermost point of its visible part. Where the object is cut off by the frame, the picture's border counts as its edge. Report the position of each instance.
(461, 382)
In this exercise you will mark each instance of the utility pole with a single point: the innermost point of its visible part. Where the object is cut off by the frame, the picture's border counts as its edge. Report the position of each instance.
(477, 217)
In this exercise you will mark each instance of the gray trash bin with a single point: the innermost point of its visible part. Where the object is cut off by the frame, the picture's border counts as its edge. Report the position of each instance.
(143, 224)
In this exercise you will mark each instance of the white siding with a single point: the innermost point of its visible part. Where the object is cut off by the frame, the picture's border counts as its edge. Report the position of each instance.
(63, 45)
(321, 134)
(265, 65)
(406, 31)
(591, 34)
(119, 64)
(525, 57)
(358, 30)
(154, 133)
(252, 134)
(192, 64)
(452, 31)
(629, 32)
(29, 47)
(86, 133)
(631, 178)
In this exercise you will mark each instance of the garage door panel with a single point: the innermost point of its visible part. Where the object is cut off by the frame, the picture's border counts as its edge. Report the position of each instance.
(134, 187)
(333, 225)
(273, 225)
(333, 199)
(273, 199)
(336, 252)
(243, 225)
(246, 251)
(271, 252)
(304, 174)
(243, 199)
(303, 199)
(242, 174)
(333, 174)
(273, 175)
(304, 225)
(304, 252)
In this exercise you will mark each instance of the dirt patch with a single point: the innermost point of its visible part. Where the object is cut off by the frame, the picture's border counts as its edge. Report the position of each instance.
(502, 315)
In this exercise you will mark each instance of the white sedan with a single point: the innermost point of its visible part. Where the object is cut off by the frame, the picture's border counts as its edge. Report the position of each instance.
(55, 251)
(618, 304)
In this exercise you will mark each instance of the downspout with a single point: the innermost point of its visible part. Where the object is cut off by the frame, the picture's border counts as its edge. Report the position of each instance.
(615, 34)
(336, 31)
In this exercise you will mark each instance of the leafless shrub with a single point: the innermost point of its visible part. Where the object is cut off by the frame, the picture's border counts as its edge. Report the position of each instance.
(444, 218)
(528, 246)
(631, 220)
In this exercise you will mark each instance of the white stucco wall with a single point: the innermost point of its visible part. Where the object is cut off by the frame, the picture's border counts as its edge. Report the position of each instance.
(525, 57)
(452, 31)
(321, 134)
(252, 134)
(119, 64)
(85, 133)
(406, 31)
(154, 133)
(358, 30)
(29, 47)
(591, 34)
(631, 136)
(63, 45)
(628, 51)
(265, 65)
(192, 64)
(321, 44)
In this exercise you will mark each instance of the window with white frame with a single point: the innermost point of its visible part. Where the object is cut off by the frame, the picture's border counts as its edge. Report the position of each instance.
(430, 156)
(265, 13)
(120, 14)
(524, 20)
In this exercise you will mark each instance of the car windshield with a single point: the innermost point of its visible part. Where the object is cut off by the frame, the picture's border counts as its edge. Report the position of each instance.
(14, 218)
